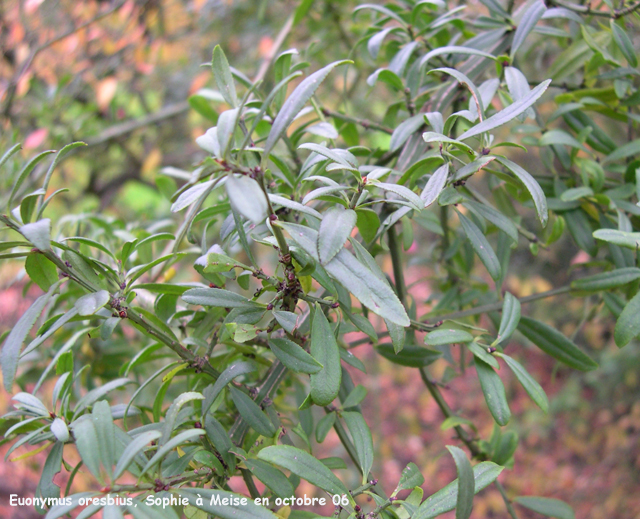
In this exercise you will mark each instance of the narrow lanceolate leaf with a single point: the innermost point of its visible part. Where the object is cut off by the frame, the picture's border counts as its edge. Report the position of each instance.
(445, 499)
(222, 504)
(508, 114)
(247, 198)
(232, 371)
(630, 240)
(481, 247)
(223, 77)
(362, 441)
(294, 103)
(539, 200)
(293, 356)
(553, 343)
(270, 476)
(411, 477)
(11, 347)
(132, 450)
(624, 43)
(546, 506)
(252, 413)
(41, 271)
(495, 217)
(172, 413)
(529, 20)
(466, 483)
(335, 229)
(510, 317)
(87, 444)
(217, 297)
(410, 356)
(91, 303)
(435, 185)
(493, 391)
(531, 386)
(325, 384)
(404, 130)
(607, 280)
(305, 466)
(447, 336)
(628, 325)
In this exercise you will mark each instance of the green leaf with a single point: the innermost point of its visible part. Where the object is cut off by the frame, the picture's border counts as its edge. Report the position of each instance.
(325, 384)
(482, 354)
(220, 440)
(88, 445)
(247, 198)
(294, 103)
(397, 334)
(294, 357)
(607, 280)
(217, 297)
(172, 414)
(38, 233)
(411, 477)
(404, 130)
(232, 371)
(89, 304)
(531, 386)
(355, 397)
(539, 200)
(441, 336)
(510, 317)
(192, 194)
(252, 413)
(410, 356)
(11, 347)
(24, 173)
(466, 483)
(494, 392)
(624, 151)
(445, 499)
(335, 229)
(508, 114)
(41, 271)
(630, 240)
(223, 77)
(527, 23)
(464, 80)
(481, 246)
(324, 426)
(362, 441)
(496, 218)
(414, 200)
(553, 343)
(271, 477)
(179, 439)
(288, 320)
(546, 506)
(624, 43)
(305, 466)
(435, 185)
(301, 11)
(628, 324)
(132, 450)
(224, 505)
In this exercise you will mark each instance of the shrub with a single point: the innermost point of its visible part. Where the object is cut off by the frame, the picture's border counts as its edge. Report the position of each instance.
(248, 353)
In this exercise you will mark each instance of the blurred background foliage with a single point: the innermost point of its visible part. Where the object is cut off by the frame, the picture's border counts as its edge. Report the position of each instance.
(128, 78)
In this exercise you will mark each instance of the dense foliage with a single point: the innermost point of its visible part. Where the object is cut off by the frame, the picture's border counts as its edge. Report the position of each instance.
(239, 372)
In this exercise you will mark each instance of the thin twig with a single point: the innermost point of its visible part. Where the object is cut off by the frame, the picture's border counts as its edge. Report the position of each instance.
(365, 123)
